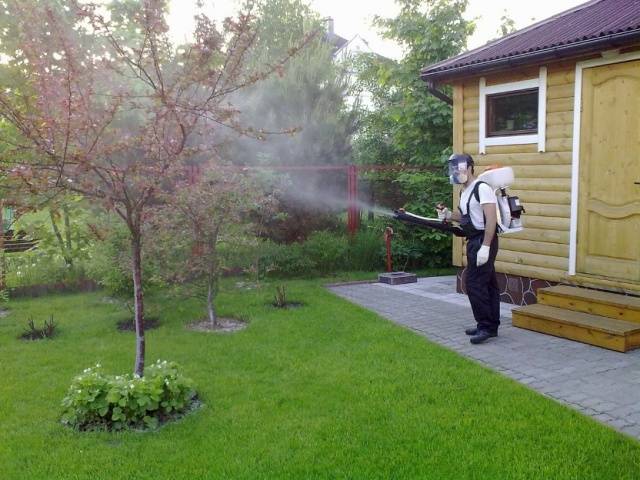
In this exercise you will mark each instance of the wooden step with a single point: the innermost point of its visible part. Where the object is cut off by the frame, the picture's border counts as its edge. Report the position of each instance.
(605, 304)
(618, 335)
(18, 246)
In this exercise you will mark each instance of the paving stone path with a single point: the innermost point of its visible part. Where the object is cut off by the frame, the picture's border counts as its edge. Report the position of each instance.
(597, 382)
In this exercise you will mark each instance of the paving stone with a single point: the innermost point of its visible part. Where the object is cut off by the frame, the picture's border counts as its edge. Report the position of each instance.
(603, 417)
(625, 411)
(634, 417)
(633, 430)
(573, 397)
(591, 402)
(620, 423)
(606, 406)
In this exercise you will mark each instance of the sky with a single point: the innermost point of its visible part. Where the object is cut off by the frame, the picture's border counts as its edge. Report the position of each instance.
(353, 17)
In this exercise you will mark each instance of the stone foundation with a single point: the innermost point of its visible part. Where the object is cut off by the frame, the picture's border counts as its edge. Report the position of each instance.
(513, 288)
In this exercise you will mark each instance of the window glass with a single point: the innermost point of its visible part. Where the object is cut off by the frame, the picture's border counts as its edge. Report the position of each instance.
(512, 113)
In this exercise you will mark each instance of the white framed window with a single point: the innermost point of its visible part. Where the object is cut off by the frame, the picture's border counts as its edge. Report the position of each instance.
(513, 113)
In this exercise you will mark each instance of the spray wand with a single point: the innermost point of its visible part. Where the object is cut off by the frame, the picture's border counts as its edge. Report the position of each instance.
(424, 222)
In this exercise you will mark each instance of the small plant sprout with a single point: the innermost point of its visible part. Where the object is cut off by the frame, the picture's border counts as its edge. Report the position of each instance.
(280, 298)
(34, 333)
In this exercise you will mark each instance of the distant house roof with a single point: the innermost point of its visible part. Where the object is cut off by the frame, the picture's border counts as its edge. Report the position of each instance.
(332, 38)
(336, 40)
(357, 44)
(589, 27)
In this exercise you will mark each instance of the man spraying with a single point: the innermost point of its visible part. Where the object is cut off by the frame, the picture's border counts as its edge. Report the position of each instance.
(478, 220)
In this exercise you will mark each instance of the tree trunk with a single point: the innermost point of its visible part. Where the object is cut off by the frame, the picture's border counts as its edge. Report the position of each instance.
(61, 244)
(138, 297)
(2, 259)
(67, 228)
(212, 280)
(211, 307)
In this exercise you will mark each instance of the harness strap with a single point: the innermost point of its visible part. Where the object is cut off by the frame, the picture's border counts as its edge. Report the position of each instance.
(474, 193)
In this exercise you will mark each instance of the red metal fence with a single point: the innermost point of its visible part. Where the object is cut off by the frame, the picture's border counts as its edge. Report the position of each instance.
(352, 171)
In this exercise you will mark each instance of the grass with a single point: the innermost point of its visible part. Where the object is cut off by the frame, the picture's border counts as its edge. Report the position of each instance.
(326, 391)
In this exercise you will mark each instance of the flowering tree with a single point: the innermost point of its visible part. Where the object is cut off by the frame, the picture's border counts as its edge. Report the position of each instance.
(98, 101)
(218, 208)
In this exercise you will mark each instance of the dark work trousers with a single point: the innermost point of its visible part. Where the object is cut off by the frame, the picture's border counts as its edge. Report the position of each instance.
(482, 285)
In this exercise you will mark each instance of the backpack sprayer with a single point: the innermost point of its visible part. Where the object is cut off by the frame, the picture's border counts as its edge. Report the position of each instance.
(508, 212)
(509, 208)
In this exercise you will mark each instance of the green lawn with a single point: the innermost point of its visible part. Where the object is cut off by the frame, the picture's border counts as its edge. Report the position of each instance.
(326, 391)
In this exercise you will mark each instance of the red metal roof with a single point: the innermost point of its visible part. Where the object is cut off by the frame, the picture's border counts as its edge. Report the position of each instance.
(589, 27)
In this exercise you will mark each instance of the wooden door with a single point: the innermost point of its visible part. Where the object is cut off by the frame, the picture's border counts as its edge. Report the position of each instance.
(609, 199)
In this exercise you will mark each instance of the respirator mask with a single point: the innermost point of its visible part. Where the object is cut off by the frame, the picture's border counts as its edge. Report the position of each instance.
(458, 165)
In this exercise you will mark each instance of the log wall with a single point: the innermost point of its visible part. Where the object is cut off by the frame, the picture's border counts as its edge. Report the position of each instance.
(543, 180)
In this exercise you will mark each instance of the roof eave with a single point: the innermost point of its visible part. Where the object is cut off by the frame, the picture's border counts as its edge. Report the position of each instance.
(592, 45)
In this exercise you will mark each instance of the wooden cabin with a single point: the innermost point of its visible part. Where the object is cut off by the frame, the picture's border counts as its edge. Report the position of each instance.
(558, 101)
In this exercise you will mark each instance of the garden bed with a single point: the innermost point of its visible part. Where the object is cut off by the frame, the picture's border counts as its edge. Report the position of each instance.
(224, 325)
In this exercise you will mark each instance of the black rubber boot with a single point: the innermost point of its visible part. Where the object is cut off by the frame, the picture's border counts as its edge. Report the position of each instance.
(482, 336)
(471, 331)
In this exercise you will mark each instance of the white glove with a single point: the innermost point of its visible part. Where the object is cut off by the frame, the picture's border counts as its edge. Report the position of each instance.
(483, 255)
(443, 214)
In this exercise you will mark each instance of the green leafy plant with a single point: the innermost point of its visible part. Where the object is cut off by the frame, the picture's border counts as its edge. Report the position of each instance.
(281, 259)
(408, 125)
(114, 402)
(63, 228)
(364, 251)
(38, 267)
(327, 250)
(424, 190)
(32, 332)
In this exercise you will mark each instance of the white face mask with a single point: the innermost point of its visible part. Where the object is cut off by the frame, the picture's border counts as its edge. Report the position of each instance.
(458, 173)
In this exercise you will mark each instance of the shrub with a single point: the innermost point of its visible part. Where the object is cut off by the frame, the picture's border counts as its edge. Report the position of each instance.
(424, 190)
(109, 263)
(37, 267)
(326, 250)
(114, 402)
(110, 260)
(406, 254)
(285, 259)
(364, 251)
